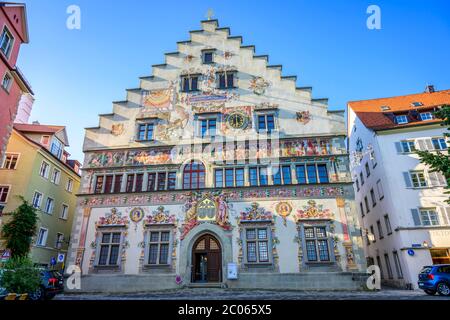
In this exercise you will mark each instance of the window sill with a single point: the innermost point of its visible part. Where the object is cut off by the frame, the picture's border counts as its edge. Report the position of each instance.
(157, 266)
(315, 263)
(144, 140)
(101, 267)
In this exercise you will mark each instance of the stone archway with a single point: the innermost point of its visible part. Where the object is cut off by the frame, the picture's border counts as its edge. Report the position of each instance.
(187, 245)
(206, 259)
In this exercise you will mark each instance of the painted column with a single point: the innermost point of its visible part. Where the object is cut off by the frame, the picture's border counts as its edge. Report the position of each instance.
(82, 242)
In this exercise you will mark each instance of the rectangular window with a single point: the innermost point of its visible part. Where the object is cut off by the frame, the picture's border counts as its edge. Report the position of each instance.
(55, 176)
(276, 175)
(41, 239)
(312, 174)
(253, 173)
(418, 179)
(323, 173)
(286, 170)
(69, 185)
(226, 80)
(366, 202)
(380, 190)
(239, 172)
(130, 183)
(439, 143)
(109, 249)
(56, 148)
(257, 240)
(387, 222)
(37, 199)
(398, 266)
(208, 127)
(367, 170)
(145, 131)
(380, 266)
(6, 42)
(208, 57)
(6, 82)
(161, 180)
(117, 183)
(59, 240)
(361, 207)
(316, 242)
(229, 177)
(4, 191)
(408, 146)
(388, 266)
(424, 116)
(357, 184)
(64, 212)
(99, 184)
(158, 248)
(361, 177)
(262, 176)
(372, 196)
(171, 180)
(266, 123)
(380, 230)
(218, 178)
(151, 181)
(372, 231)
(401, 119)
(300, 173)
(429, 217)
(44, 170)
(108, 183)
(189, 83)
(49, 206)
(139, 181)
(10, 161)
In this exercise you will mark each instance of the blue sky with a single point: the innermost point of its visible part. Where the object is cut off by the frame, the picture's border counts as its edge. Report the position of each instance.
(76, 74)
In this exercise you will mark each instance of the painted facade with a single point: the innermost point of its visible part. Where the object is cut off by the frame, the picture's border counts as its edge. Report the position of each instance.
(15, 91)
(217, 169)
(401, 202)
(23, 174)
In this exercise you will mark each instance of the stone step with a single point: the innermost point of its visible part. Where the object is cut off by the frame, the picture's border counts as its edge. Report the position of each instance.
(206, 285)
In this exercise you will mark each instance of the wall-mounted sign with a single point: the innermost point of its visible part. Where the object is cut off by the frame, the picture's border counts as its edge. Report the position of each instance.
(232, 272)
(411, 252)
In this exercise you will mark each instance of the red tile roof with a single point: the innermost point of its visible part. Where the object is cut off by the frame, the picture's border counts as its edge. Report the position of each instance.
(37, 128)
(373, 117)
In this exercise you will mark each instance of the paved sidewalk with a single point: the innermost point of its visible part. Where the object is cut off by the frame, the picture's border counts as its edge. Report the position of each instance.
(228, 294)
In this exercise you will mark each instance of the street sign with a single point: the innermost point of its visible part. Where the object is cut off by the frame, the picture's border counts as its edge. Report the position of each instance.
(6, 255)
(60, 258)
(411, 252)
(52, 261)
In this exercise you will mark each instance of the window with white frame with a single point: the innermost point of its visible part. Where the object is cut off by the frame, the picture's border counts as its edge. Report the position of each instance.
(418, 179)
(424, 116)
(208, 126)
(56, 176)
(367, 169)
(7, 81)
(229, 177)
(41, 239)
(37, 199)
(10, 161)
(439, 143)
(4, 191)
(372, 196)
(388, 266)
(380, 230)
(281, 175)
(57, 148)
(44, 170)
(145, 131)
(64, 212)
(361, 177)
(6, 42)
(316, 243)
(49, 204)
(266, 122)
(408, 146)
(401, 119)
(361, 207)
(258, 176)
(158, 247)
(312, 173)
(109, 245)
(257, 244)
(387, 222)
(59, 240)
(189, 83)
(69, 185)
(380, 190)
(366, 202)
(398, 266)
(429, 217)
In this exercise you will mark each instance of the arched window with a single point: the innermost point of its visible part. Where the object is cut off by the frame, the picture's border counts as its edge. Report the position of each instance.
(194, 175)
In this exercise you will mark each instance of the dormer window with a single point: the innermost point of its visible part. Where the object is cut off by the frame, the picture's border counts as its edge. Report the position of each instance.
(385, 108)
(189, 83)
(208, 56)
(401, 119)
(57, 148)
(226, 79)
(6, 82)
(424, 116)
(416, 104)
(6, 42)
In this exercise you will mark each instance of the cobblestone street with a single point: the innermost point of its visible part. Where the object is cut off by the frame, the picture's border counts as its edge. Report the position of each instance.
(227, 294)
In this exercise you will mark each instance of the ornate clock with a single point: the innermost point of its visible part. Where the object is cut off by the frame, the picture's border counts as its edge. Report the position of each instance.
(237, 120)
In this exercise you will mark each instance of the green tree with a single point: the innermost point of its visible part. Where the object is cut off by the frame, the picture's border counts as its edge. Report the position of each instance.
(439, 161)
(21, 229)
(20, 276)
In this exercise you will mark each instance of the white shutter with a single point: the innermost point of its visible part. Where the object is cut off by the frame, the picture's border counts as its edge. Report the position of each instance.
(429, 144)
(434, 181)
(399, 147)
(420, 145)
(445, 214)
(441, 178)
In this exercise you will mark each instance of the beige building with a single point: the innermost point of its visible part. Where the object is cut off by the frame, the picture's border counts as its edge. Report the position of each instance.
(217, 169)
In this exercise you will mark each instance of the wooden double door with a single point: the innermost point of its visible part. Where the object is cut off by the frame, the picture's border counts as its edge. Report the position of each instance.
(206, 260)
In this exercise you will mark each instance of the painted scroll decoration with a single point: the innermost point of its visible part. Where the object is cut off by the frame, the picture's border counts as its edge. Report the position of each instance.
(160, 216)
(259, 85)
(303, 117)
(314, 211)
(255, 213)
(113, 218)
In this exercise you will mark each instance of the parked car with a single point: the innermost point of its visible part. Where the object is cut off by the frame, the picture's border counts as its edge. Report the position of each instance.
(52, 283)
(434, 279)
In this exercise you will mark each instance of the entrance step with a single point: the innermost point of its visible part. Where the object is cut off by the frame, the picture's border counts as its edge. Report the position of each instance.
(206, 285)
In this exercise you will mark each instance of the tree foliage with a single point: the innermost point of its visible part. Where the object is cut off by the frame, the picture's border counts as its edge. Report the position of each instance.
(20, 276)
(20, 230)
(439, 161)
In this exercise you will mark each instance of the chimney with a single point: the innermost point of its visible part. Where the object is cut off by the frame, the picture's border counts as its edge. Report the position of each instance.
(429, 88)
(35, 122)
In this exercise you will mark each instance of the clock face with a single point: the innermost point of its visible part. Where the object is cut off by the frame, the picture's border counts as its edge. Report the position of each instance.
(237, 120)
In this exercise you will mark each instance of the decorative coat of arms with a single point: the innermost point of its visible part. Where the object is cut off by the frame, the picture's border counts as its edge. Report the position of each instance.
(303, 117)
(114, 218)
(314, 211)
(255, 213)
(259, 85)
(117, 129)
(136, 214)
(160, 216)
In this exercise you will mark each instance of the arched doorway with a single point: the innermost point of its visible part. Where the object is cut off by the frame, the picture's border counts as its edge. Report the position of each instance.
(206, 260)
